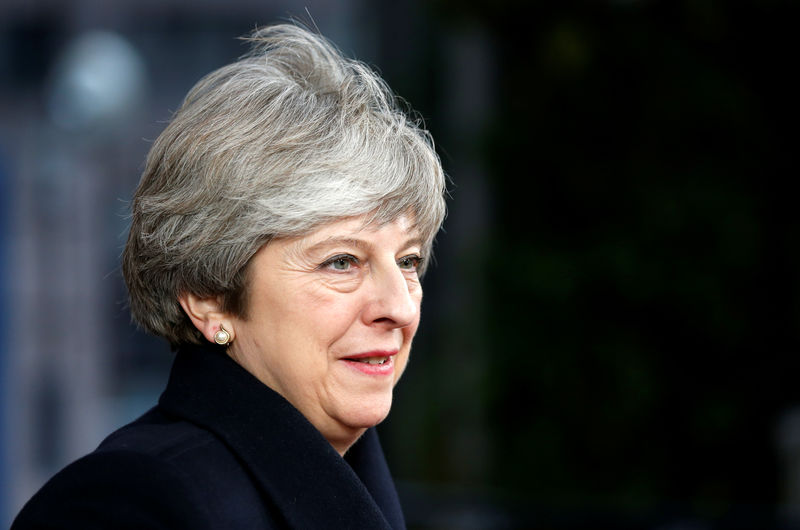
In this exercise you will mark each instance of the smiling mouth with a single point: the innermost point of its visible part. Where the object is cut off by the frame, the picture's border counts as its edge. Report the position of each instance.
(375, 363)
(370, 360)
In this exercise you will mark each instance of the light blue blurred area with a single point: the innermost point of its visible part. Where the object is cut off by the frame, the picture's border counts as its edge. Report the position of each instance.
(99, 79)
(4, 350)
(68, 165)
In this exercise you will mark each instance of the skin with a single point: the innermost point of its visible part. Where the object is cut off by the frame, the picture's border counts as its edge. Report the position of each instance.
(313, 302)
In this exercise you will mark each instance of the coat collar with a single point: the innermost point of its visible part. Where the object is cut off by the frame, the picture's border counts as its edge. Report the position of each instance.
(312, 486)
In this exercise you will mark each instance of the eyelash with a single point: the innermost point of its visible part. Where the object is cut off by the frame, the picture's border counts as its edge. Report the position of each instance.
(352, 260)
(349, 258)
(418, 260)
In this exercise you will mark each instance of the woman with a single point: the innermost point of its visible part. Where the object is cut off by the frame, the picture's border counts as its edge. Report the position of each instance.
(278, 234)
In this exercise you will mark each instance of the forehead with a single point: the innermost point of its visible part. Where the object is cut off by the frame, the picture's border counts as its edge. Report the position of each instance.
(361, 227)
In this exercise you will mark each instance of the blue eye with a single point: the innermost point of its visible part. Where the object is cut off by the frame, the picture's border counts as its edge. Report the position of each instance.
(340, 263)
(409, 263)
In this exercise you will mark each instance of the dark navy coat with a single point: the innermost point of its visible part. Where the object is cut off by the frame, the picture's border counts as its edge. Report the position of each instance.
(220, 450)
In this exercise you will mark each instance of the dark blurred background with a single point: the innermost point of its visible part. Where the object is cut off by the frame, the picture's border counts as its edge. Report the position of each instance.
(610, 336)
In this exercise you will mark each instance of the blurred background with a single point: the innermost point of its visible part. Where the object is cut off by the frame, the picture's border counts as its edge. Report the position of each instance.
(610, 335)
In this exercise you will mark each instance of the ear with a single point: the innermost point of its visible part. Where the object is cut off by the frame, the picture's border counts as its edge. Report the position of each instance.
(206, 314)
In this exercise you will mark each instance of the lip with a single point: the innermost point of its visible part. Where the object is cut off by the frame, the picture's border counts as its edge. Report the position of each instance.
(387, 368)
(373, 353)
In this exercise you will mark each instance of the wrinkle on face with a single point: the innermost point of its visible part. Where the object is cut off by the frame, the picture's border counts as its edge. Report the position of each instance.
(306, 316)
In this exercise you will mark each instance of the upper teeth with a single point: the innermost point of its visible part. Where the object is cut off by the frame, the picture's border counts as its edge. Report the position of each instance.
(375, 360)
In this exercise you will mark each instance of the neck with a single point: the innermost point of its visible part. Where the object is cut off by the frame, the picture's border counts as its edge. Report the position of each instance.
(343, 441)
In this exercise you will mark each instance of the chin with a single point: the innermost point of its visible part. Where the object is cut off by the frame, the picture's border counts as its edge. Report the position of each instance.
(368, 413)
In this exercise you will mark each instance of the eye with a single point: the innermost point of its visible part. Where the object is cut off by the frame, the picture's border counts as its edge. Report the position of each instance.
(340, 263)
(409, 263)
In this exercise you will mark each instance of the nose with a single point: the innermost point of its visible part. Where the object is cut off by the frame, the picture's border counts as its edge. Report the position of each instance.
(393, 302)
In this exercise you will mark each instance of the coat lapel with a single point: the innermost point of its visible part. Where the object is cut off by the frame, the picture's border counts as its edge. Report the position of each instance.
(367, 460)
(296, 468)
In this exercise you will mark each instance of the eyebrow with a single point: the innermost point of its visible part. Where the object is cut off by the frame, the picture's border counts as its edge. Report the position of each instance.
(361, 244)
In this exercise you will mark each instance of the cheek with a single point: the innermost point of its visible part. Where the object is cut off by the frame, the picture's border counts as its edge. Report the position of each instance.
(308, 303)
(326, 316)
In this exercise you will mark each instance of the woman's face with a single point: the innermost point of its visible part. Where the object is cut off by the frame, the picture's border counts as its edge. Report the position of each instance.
(330, 321)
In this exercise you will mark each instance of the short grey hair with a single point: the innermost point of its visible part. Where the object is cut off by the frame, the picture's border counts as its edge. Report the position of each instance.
(288, 138)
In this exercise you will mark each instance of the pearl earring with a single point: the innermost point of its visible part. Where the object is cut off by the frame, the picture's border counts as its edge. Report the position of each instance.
(222, 337)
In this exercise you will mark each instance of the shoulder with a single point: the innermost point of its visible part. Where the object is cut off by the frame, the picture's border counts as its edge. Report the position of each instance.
(169, 440)
(154, 473)
(115, 489)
